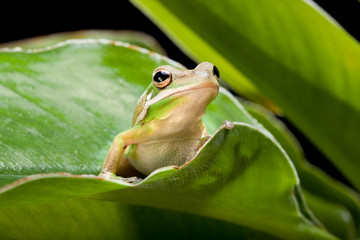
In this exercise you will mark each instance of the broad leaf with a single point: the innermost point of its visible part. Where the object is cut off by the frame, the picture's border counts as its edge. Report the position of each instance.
(62, 107)
(327, 197)
(89, 219)
(136, 38)
(336, 218)
(292, 51)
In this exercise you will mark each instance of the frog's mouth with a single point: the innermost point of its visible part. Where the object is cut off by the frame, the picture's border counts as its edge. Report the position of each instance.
(213, 86)
(214, 89)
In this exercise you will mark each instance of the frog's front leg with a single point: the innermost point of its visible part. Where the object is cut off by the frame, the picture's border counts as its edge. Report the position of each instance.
(115, 163)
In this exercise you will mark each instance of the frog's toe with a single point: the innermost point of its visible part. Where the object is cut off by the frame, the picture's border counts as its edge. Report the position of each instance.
(112, 176)
(132, 179)
(227, 124)
(107, 175)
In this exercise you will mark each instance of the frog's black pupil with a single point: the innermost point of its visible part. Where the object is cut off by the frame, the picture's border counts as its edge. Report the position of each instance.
(216, 72)
(161, 76)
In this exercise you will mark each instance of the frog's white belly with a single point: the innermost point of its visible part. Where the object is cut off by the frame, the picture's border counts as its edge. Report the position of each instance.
(162, 154)
(175, 136)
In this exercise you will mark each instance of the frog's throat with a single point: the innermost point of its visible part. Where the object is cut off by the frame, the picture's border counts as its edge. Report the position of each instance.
(172, 92)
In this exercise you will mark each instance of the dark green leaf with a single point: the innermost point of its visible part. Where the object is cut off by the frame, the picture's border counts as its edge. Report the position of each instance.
(62, 107)
(89, 219)
(327, 197)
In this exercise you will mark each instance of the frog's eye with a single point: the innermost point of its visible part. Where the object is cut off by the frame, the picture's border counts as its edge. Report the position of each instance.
(162, 79)
(216, 72)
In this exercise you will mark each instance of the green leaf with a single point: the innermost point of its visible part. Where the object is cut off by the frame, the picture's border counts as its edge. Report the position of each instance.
(60, 109)
(234, 162)
(329, 199)
(335, 217)
(136, 38)
(89, 219)
(292, 51)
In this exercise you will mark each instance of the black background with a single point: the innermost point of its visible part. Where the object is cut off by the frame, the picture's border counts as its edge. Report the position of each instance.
(19, 21)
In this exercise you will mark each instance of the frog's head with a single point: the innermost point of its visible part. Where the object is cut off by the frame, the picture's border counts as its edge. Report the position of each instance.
(171, 81)
(184, 94)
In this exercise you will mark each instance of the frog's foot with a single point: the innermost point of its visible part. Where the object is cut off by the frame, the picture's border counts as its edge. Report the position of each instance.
(203, 140)
(112, 176)
(107, 175)
(132, 180)
(227, 124)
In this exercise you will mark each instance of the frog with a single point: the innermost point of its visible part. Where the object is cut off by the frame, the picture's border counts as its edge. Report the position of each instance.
(167, 127)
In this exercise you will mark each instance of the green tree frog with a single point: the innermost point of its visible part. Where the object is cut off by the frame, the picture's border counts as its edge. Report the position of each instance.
(166, 128)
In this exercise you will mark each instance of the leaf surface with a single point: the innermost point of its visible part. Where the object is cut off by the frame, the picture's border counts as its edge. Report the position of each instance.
(327, 197)
(133, 37)
(62, 107)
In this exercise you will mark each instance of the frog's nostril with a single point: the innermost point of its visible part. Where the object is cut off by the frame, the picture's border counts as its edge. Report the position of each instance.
(216, 71)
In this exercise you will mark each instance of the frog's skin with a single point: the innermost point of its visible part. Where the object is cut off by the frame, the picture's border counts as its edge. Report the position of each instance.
(166, 126)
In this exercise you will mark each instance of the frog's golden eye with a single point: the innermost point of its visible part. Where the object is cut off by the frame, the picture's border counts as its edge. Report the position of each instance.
(162, 79)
